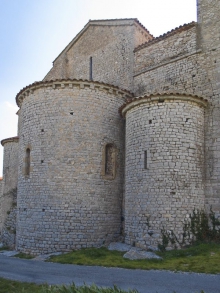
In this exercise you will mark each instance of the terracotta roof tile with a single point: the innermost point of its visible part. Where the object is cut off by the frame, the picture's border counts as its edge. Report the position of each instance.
(166, 35)
(163, 94)
(38, 83)
(9, 139)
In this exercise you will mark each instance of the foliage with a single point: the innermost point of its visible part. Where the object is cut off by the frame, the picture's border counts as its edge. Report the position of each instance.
(7, 286)
(4, 248)
(24, 255)
(84, 289)
(200, 227)
(201, 258)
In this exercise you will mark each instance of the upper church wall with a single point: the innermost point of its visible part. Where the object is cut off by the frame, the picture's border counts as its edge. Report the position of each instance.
(166, 48)
(103, 52)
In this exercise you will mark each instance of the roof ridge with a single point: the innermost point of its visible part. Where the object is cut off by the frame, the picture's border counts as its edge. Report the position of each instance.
(94, 20)
(167, 34)
(118, 19)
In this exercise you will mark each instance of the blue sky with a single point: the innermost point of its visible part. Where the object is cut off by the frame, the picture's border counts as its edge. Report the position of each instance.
(34, 32)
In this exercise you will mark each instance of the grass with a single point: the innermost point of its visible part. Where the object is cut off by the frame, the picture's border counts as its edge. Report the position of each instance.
(202, 258)
(7, 286)
(24, 255)
(3, 248)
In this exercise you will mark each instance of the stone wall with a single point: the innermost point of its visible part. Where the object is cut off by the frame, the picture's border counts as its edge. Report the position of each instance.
(67, 202)
(195, 71)
(110, 44)
(8, 199)
(209, 43)
(165, 49)
(164, 177)
(169, 63)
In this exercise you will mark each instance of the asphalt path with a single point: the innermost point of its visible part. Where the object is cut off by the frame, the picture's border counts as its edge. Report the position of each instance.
(144, 281)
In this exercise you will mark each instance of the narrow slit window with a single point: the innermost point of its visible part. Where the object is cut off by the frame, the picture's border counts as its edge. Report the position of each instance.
(109, 160)
(27, 162)
(145, 160)
(90, 68)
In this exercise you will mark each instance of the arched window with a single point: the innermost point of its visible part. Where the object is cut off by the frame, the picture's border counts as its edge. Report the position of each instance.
(109, 161)
(27, 162)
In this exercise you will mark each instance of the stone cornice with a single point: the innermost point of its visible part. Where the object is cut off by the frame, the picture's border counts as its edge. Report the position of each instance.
(62, 83)
(10, 139)
(161, 97)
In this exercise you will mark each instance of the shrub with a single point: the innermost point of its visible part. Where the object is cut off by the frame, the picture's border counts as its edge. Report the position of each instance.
(199, 227)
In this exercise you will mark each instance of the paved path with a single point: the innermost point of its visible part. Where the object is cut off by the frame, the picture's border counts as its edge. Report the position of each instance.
(144, 281)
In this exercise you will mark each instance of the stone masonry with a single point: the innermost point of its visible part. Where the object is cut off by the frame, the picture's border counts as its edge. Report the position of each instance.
(120, 139)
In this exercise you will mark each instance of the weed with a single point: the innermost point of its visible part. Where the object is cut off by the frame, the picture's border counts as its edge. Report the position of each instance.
(24, 255)
(200, 227)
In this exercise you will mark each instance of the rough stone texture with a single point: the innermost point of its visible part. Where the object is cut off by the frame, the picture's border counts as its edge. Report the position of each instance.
(8, 198)
(165, 151)
(136, 253)
(165, 50)
(192, 68)
(66, 202)
(73, 196)
(119, 246)
(110, 44)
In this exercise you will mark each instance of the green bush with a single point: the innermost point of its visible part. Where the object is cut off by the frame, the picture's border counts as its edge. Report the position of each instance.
(200, 227)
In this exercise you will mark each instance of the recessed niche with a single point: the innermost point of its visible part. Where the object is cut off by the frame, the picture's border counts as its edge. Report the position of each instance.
(71, 113)
(150, 121)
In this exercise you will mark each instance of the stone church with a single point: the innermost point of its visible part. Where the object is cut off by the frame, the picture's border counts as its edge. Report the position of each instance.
(120, 139)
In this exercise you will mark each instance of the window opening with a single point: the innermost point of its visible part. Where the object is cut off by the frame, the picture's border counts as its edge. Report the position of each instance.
(90, 68)
(109, 160)
(145, 160)
(27, 162)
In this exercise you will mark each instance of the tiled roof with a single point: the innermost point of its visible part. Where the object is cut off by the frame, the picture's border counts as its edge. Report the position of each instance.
(9, 139)
(163, 95)
(166, 35)
(39, 83)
